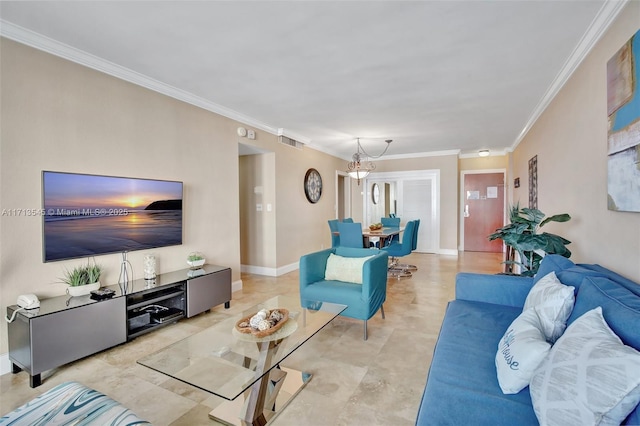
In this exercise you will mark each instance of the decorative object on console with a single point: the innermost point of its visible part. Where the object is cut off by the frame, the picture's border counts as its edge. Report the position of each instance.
(313, 185)
(522, 236)
(195, 260)
(359, 167)
(149, 263)
(82, 280)
(623, 140)
(123, 279)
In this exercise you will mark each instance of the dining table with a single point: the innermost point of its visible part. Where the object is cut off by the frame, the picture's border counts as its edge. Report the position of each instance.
(385, 234)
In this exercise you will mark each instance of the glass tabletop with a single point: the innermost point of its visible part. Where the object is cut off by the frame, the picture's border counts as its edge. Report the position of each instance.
(225, 362)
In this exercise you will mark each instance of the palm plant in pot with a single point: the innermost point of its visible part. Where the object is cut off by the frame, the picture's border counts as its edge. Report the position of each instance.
(82, 279)
(521, 236)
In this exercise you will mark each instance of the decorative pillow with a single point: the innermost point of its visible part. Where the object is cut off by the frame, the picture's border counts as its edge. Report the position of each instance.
(347, 269)
(520, 351)
(554, 302)
(589, 377)
(552, 263)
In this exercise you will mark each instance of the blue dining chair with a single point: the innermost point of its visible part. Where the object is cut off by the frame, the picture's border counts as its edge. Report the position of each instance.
(414, 245)
(335, 237)
(350, 234)
(396, 250)
(391, 222)
(348, 220)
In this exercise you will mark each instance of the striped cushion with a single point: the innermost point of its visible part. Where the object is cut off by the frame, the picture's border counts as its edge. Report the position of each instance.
(72, 403)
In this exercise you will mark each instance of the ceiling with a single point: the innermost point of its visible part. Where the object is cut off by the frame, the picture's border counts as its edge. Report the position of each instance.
(434, 76)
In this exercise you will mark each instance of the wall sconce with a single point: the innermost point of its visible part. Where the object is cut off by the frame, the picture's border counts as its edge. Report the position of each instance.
(483, 153)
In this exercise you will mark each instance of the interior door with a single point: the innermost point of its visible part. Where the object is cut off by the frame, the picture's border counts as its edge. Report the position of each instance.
(483, 211)
(418, 203)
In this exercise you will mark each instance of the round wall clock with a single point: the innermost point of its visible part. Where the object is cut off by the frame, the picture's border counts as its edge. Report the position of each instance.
(375, 193)
(312, 185)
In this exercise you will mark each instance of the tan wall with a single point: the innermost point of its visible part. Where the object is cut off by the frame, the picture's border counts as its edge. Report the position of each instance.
(276, 239)
(258, 228)
(57, 115)
(494, 162)
(448, 166)
(302, 226)
(570, 140)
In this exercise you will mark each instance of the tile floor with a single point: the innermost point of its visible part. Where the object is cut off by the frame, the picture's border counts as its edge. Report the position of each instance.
(355, 382)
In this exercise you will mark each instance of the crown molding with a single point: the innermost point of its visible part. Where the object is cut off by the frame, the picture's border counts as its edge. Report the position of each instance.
(600, 24)
(64, 51)
(420, 155)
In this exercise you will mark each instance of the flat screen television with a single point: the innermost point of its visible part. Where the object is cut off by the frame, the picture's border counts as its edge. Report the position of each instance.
(89, 215)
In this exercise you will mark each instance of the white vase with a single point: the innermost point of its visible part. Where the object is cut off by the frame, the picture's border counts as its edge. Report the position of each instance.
(195, 264)
(149, 263)
(82, 290)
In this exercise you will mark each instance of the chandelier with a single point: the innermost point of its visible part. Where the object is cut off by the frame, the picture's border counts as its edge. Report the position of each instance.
(360, 166)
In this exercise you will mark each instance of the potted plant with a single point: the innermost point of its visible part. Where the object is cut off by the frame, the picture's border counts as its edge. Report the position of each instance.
(83, 279)
(521, 236)
(195, 260)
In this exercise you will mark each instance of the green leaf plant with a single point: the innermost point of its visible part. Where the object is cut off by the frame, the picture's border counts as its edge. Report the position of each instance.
(82, 275)
(522, 235)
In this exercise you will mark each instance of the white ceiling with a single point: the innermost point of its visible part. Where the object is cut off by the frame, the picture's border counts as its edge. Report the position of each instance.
(431, 75)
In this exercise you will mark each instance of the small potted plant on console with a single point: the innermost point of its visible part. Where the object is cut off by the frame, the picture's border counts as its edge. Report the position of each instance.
(82, 280)
(195, 260)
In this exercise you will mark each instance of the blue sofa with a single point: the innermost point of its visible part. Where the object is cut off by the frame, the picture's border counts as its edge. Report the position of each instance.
(462, 386)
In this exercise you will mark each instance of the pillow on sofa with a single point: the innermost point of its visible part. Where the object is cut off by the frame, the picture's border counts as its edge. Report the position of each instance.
(552, 263)
(620, 307)
(347, 269)
(520, 351)
(554, 302)
(589, 377)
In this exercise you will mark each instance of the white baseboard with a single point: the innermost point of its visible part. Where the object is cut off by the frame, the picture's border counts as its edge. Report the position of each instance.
(448, 252)
(270, 272)
(236, 286)
(5, 364)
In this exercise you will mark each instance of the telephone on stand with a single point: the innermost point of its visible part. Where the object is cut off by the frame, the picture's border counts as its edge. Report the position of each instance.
(25, 302)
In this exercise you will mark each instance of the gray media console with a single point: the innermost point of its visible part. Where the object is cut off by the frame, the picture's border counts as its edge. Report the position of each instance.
(65, 329)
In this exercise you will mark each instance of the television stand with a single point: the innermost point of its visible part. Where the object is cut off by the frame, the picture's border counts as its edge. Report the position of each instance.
(65, 329)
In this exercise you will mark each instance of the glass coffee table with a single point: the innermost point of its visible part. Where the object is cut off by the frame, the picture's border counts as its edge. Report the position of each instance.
(242, 368)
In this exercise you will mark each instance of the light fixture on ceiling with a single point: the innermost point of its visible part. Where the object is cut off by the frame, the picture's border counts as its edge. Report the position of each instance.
(360, 166)
(483, 153)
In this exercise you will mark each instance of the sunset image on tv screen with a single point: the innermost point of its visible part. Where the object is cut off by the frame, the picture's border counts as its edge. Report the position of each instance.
(88, 215)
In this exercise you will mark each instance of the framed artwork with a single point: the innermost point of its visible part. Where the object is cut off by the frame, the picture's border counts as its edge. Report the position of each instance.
(623, 139)
(533, 183)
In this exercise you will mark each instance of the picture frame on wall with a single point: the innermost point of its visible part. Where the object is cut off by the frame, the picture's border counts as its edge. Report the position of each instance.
(623, 138)
(533, 182)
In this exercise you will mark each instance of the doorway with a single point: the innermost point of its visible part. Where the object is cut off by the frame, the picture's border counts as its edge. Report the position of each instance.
(483, 210)
(343, 195)
(412, 195)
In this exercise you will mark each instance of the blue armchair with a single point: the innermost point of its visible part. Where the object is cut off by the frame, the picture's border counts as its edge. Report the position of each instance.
(363, 300)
